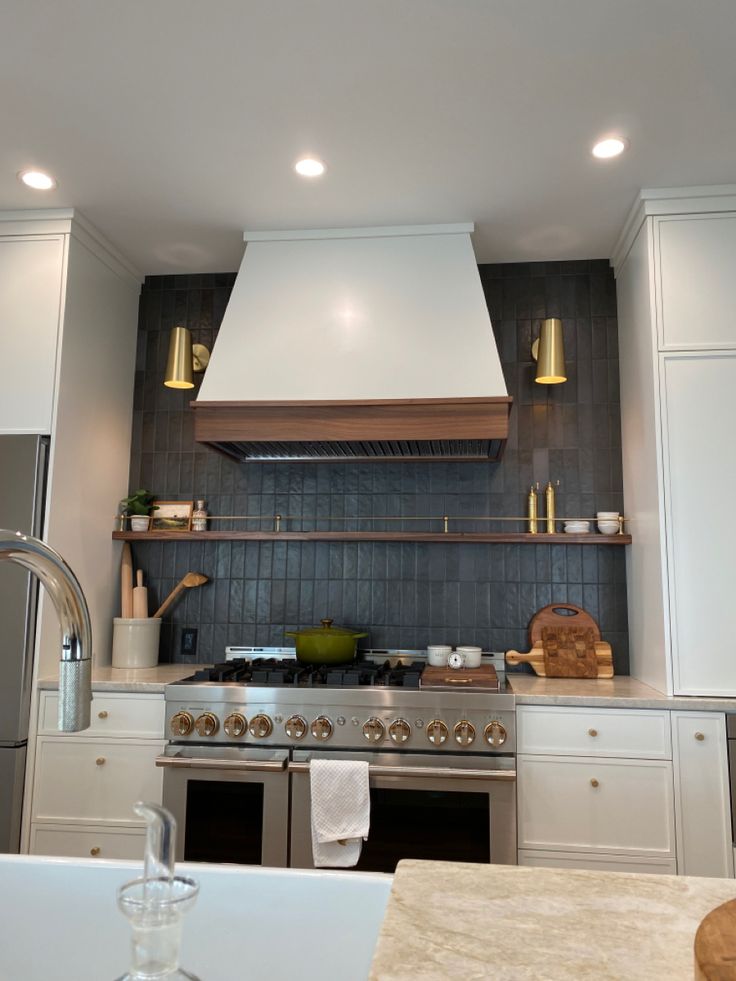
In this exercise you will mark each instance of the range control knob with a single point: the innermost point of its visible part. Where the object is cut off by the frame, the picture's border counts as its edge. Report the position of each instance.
(464, 732)
(235, 725)
(321, 728)
(181, 724)
(260, 726)
(374, 730)
(495, 733)
(296, 727)
(437, 732)
(399, 730)
(207, 724)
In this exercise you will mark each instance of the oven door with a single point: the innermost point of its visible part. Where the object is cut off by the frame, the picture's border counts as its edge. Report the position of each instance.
(423, 806)
(230, 804)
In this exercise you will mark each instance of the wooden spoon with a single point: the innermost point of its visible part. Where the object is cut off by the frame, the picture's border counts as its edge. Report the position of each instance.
(189, 580)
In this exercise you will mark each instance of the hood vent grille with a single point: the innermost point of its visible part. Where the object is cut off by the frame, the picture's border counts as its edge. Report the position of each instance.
(463, 449)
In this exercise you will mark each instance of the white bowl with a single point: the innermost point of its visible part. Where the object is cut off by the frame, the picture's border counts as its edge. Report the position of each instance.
(577, 527)
(607, 515)
(471, 656)
(608, 527)
(438, 654)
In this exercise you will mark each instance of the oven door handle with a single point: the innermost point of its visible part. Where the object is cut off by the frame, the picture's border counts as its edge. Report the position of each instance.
(205, 764)
(429, 772)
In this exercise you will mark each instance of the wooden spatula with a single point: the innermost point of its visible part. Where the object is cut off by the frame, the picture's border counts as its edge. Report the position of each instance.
(189, 580)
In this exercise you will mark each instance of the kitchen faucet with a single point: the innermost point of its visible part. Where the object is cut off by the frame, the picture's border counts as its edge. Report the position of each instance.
(75, 666)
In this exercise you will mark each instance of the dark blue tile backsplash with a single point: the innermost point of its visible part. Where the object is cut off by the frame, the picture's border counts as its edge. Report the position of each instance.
(403, 594)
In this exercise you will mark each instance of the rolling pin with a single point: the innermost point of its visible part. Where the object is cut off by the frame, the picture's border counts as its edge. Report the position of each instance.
(140, 598)
(126, 582)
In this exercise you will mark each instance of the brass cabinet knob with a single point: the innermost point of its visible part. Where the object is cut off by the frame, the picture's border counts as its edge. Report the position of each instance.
(207, 724)
(100, 761)
(296, 727)
(464, 733)
(437, 732)
(399, 730)
(235, 725)
(495, 733)
(181, 724)
(594, 783)
(94, 852)
(321, 728)
(102, 714)
(374, 730)
(593, 732)
(260, 726)
(699, 736)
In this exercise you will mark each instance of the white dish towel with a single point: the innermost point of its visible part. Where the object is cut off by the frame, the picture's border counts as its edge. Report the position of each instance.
(341, 811)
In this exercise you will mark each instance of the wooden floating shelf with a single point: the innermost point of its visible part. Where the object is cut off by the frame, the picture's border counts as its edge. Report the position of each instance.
(516, 538)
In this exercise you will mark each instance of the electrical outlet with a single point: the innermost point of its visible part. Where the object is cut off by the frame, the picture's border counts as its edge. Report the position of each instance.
(188, 641)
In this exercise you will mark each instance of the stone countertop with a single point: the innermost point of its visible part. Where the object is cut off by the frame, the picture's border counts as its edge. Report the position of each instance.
(150, 680)
(452, 920)
(620, 691)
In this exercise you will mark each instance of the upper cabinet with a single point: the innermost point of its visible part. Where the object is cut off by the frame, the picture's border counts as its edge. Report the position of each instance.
(31, 278)
(677, 338)
(695, 259)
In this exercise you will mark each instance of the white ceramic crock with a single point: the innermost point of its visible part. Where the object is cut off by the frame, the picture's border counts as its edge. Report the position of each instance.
(470, 656)
(438, 654)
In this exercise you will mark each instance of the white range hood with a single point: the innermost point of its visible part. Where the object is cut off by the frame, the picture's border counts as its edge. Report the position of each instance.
(366, 343)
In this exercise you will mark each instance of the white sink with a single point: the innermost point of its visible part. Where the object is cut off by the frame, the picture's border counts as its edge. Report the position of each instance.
(59, 921)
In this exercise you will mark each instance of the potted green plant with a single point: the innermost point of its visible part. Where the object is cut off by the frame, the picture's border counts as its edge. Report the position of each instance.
(138, 508)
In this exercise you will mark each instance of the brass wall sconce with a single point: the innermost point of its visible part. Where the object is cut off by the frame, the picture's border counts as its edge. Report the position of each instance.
(549, 352)
(184, 359)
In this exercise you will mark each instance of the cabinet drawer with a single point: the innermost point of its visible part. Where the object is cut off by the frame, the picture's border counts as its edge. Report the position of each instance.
(113, 714)
(596, 805)
(86, 842)
(597, 863)
(94, 782)
(629, 733)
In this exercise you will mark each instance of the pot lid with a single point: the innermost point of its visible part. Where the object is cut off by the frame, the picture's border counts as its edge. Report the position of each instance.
(326, 627)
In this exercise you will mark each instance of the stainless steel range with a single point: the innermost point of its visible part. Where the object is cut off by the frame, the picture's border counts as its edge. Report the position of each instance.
(242, 735)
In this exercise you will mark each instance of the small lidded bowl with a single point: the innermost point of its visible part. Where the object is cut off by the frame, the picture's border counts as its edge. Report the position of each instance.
(438, 655)
(470, 656)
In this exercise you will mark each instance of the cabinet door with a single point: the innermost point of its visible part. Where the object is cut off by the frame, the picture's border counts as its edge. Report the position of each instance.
(702, 798)
(696, 256)
(622, 807)
(699, 409)
(94, 782)
(30, 302)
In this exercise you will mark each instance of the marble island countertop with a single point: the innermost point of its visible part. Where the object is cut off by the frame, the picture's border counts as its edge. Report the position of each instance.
(451, 920)
(618, 692)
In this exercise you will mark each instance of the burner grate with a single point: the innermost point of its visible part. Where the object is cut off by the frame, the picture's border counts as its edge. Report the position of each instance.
(274, 672)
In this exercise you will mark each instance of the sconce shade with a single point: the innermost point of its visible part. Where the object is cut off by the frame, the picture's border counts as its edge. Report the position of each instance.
(179, 363)
(550, 353)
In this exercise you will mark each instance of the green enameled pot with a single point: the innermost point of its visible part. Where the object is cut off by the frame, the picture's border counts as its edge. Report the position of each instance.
(325, 644)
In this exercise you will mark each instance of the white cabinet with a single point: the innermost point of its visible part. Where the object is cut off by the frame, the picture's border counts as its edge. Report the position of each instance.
(31, 274)
(85, 784)
(699, 410)
(674, 266)
(595, 786)
(702, 798)
(661, 805)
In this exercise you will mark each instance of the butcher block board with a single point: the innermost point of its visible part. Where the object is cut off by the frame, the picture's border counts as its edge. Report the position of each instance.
(483, 678)
(535, 657)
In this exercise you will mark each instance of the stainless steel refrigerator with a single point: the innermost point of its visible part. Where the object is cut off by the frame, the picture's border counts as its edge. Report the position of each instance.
(23, 467)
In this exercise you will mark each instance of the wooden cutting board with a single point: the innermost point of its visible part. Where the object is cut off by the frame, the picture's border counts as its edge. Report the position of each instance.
(483, 678)
(715, 944)
(568, 617)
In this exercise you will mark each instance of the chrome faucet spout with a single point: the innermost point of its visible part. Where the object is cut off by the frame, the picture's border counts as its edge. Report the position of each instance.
(75, 666)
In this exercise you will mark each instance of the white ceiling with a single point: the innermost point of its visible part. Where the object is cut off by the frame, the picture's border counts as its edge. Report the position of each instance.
(173, 124)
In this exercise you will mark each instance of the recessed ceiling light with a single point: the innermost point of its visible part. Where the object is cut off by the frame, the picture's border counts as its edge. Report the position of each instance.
(37, 180)
(309, 167)
(610, 147)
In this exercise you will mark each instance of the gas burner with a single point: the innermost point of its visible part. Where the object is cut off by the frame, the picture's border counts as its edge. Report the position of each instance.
(276, 672)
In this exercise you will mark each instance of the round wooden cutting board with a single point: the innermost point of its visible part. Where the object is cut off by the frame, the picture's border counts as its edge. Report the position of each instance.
(715, 945)
(558, 615)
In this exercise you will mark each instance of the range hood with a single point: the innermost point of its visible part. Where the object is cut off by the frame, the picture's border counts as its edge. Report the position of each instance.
(365, 343)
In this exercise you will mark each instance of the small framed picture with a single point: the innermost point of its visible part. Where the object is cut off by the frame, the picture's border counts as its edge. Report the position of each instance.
(172, 516)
